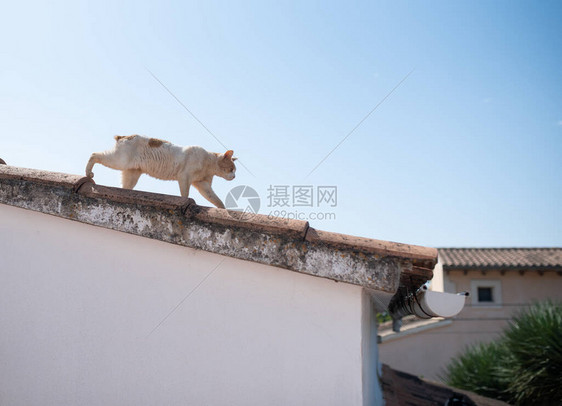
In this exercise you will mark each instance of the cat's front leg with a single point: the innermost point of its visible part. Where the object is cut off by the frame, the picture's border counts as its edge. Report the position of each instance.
(207, 192)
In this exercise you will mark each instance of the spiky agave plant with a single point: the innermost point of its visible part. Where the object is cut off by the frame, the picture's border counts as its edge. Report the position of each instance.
(476, 370)
(532, 368)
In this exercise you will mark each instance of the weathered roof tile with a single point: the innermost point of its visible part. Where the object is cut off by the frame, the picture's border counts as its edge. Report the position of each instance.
(256, 222)
(419, 255)
(134, 196)
(45, 177)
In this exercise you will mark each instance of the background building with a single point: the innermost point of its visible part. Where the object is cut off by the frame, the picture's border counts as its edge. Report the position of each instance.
(501, 282)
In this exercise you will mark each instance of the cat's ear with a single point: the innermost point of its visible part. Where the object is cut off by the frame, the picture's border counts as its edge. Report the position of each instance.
(228, 154)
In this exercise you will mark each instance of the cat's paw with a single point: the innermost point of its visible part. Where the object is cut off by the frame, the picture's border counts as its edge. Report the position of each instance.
(90, 174)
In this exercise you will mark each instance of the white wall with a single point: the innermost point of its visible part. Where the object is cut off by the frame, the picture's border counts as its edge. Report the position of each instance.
(372, 392)
(78, 304)
(437, 282)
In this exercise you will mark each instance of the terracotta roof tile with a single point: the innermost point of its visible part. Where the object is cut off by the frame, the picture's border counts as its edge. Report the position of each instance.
(501, 258)
(90, 189)
(421, 256)
(256, 222)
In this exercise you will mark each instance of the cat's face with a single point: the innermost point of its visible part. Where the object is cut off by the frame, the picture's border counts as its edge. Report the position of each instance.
(227, 169)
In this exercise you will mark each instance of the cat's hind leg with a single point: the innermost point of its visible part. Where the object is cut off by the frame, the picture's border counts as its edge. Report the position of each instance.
(130, 177)
(94, 159)
(114, 159)
(185, 184)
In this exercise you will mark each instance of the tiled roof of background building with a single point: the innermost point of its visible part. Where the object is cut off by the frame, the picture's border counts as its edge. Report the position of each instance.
(501, 258)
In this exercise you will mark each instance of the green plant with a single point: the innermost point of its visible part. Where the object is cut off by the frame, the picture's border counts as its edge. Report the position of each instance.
(533, 369)
(383, 317)
(475, 370)
(523, 367)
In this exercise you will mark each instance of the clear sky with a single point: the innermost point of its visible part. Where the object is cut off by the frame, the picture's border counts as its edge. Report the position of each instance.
(465, 152)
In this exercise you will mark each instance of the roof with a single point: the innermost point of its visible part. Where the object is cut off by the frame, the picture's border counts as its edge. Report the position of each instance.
(290, 244)
(501, 258)
(403, 389)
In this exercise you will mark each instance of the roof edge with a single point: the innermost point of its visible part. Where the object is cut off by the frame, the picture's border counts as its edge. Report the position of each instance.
(285, 243)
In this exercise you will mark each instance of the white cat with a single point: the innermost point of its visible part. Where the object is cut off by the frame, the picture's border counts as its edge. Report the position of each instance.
(135, 155)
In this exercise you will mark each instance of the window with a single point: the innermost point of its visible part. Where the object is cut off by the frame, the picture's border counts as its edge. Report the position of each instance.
(486, 293)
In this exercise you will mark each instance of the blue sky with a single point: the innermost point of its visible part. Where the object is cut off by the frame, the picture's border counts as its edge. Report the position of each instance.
(465, 152)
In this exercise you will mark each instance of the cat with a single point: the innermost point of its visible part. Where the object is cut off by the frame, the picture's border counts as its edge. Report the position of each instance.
(135, 155)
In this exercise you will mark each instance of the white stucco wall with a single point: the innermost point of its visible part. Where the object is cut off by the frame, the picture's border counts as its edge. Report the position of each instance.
(372, 393)
(78, 304)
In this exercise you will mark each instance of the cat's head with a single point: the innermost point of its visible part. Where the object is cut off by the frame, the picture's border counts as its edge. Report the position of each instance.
(227, 169)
